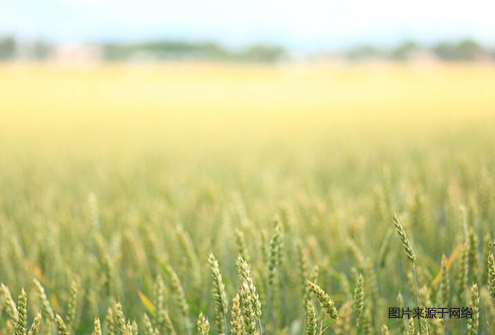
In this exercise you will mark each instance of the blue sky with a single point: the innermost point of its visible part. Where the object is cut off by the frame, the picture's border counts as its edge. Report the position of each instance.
(303, 25)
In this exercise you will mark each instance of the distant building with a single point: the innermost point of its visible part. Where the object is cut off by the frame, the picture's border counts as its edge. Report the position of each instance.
(483, 57)
(76, 54)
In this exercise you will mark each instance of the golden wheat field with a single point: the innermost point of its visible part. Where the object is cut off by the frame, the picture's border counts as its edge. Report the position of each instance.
(187, 199)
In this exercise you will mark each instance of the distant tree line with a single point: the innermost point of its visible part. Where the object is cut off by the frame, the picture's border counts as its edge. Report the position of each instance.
(8, 47)
(462, 50)
(163, 50)
(177, 50)
(11, 49)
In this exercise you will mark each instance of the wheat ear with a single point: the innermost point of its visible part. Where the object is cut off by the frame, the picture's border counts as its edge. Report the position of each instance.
(97, 327)
(203, 325)
(406, 244)
(325, 301)
(473, 323)
(491, 278)
(219, 295)
(21, 323)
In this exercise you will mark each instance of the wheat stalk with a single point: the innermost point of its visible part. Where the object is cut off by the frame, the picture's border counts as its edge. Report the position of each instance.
(402, 324)
(45, 304)
(303, 268)
(35, 326)
(343, 325)
(180, 297)
(8, 302)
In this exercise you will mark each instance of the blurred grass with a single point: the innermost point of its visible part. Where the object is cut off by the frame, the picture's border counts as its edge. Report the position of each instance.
(193, 101)
(237, 116)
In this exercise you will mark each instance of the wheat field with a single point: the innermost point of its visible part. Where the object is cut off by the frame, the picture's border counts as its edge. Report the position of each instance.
(245, 199)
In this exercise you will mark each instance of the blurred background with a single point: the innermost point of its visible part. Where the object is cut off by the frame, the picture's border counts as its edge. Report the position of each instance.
(63, 31)
(198, 69)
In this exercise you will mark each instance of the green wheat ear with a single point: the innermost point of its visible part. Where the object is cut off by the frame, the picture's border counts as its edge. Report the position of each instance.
(46, 308)
(237, 321)
(491, 278)
(248, 289)
(275, 251)
(97, 327)
(473, 323)
(219, 295)
(406, 244)
(203, 325)
(61, 326)
(311, 322)
(463, 274)
(325, 301)
(159, 303)
(343, 324)
(148, 327)
(444, 282)
(358, 303)
(110, 320)
(410, 327)
(35, 326)
(169, 326)
(71, 313)
(8, 303)
(248, 309)
(366, 325)
(303, 267)
(444, 287)
(21, 324)
(121, 322)
(425, 329)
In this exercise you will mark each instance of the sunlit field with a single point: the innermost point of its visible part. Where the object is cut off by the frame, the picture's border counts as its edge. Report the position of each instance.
(116, 183)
